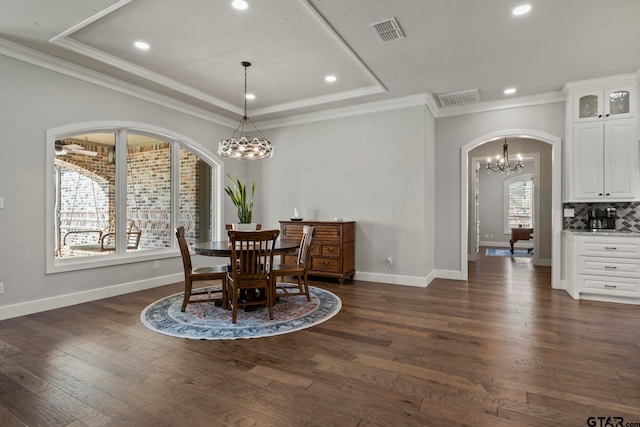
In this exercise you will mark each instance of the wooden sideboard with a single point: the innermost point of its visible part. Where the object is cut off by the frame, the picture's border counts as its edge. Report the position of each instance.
(332, 247)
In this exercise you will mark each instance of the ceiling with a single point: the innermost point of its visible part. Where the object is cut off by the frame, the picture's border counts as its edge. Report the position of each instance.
(449, 46)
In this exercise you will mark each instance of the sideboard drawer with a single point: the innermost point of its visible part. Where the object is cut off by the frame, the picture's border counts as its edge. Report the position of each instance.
(613, 248)
(327, 233)
(609, 286)
(330, 250)
(619, 267)
(325, 264)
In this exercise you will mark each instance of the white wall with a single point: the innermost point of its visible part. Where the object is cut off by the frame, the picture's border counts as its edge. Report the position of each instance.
(33, 100)
(452, 133)
(376, 169)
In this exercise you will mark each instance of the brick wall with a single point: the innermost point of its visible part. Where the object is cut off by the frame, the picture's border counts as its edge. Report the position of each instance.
(148, 193)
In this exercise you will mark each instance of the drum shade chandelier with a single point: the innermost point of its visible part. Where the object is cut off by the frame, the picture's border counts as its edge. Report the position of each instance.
(242, 146)
(502, 163)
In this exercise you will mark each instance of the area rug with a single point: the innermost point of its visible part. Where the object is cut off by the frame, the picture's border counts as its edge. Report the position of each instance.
(205, 321)
(507, 252)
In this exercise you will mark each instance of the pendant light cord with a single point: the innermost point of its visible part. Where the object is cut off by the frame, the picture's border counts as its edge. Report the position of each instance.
(245, 89)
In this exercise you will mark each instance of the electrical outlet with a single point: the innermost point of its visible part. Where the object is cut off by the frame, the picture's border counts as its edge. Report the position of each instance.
(156, 265)
(389, 262)
(1, 287)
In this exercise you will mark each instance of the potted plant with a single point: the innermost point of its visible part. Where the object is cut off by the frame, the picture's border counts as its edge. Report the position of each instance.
(237, 191)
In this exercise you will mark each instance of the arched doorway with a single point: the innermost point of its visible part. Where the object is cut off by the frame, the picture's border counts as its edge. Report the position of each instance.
(556, 204)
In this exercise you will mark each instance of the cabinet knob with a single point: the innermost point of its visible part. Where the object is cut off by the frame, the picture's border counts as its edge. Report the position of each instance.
(610, 286)
(600, 116)
(607, 115)
(599, 194)
(610, 248)
(608, 194)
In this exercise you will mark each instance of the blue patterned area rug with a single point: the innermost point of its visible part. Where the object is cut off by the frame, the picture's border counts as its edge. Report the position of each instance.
(507, 252)
(205, 321)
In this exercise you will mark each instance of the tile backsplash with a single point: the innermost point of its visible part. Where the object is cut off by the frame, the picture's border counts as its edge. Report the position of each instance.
(628, 215)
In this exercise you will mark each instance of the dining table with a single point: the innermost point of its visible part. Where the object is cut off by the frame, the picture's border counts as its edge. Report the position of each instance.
(222, 249)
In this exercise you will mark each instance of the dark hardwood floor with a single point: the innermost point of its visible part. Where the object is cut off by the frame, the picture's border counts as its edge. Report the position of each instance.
(502, 349)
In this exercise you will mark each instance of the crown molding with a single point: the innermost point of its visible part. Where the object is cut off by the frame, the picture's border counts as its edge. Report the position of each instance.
(31, 56)
(502, 104)
(601, 81)
(341, 112)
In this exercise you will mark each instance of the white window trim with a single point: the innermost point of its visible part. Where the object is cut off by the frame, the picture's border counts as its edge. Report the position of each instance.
(54, 265)
(505, 200)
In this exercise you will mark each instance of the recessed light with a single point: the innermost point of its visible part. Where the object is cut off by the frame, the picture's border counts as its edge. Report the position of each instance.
(521, 10)
(240, 4)
(510, 91)
(250, 96)
(330, 78)
(142, 45)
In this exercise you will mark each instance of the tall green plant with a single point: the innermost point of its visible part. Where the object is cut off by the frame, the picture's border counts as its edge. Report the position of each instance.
(237, 191)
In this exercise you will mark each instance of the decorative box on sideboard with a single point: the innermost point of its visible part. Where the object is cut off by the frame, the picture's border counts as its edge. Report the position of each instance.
(332, 247)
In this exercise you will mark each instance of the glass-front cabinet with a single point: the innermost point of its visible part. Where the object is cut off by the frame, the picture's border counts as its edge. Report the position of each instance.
(602, 104)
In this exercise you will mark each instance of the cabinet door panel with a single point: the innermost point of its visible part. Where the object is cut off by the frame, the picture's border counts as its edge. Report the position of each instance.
(588, 105)
(620, 160)
(618, 102)
(587, 161)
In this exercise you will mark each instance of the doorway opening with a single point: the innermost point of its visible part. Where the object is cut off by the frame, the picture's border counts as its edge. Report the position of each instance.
(555, 217)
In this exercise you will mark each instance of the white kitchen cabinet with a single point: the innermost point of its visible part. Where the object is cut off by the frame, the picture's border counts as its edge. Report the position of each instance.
(602, 156)
(602, 267)
(603, 103)
(605, 161)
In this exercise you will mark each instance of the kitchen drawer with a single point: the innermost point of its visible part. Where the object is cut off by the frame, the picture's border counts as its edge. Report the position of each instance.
(325, 264)
(618, 267)
(614, 286)
(330, 250)
(620, 248)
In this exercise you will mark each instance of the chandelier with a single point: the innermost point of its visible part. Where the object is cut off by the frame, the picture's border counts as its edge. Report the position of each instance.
(502, 163)
(242, 146)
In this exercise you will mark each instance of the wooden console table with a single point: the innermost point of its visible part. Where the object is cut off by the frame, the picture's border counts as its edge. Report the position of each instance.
(520, 234)
(332, 248)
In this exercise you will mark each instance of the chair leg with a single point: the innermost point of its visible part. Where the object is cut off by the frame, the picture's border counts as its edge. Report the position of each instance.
(234, 305)
(225, 301)
(270, 299)
(306, 287)
(187, 294)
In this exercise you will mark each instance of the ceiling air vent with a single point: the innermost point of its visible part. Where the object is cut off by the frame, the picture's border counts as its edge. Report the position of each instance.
(387, 30)
(459, 98)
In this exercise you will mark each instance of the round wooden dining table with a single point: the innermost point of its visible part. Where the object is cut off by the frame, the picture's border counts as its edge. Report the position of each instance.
(222, 248)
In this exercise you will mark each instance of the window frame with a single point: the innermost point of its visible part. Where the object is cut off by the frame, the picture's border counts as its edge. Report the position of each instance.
(505, 200)
(121, 129)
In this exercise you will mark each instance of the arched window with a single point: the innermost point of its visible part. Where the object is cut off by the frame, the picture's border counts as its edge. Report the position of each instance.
(518, 202)
(119, 192)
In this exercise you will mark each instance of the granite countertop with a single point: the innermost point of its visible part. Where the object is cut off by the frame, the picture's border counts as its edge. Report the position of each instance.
(623, 233)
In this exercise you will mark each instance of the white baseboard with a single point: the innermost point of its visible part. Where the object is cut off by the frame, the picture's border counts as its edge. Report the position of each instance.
(544, 262)
(448, 274)
(394, 279)
(44, 304)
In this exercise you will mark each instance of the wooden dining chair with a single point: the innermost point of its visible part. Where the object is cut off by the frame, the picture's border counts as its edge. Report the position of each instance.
(229, 227)
(297, 270)
(191, 275)
(251, 261)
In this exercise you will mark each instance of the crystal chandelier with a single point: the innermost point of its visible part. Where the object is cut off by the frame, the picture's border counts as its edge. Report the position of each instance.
(242, 146)
(502, 163)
